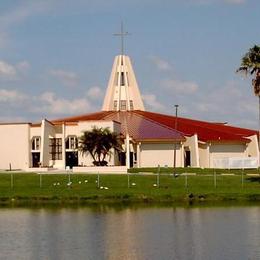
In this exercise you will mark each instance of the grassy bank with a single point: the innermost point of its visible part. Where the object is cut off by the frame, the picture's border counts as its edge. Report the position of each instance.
(24, 187)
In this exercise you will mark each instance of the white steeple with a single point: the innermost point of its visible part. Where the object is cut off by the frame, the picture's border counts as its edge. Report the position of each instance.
(122, 91)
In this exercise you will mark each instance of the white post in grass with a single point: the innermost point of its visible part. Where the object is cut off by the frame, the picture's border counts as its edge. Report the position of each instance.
(242, 178)
(128, 180)
(68, 172)
(12, 180)
(158, 176)
(186, 180)
(98, 180)
(215, 178)
(40, 179)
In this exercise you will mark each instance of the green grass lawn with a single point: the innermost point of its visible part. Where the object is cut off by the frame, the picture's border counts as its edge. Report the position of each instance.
(84, 188)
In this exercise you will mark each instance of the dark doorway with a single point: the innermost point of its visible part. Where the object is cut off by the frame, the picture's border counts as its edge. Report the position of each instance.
(36, 159)
(122, 159)
(187, 158)
(131, 159)
(72, 159)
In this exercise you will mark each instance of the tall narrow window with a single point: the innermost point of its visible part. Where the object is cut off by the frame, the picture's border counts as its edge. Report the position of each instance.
(123, 105)
(122, 79)
(36, 143)
(115, 104)
(56, 148)
(131, 105)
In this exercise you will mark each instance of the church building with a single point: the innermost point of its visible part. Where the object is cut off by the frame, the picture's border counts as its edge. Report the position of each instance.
(150, 139)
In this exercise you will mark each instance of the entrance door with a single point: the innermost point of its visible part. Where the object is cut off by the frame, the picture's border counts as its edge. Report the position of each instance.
(72, 159)
(36, 159)
(187, 159)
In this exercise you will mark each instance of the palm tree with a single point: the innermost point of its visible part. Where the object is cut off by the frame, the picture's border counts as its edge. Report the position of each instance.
(250, 63)
(98, 142)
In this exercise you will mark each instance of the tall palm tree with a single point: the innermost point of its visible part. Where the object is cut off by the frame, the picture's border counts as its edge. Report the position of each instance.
(98, 142)
(250, 63)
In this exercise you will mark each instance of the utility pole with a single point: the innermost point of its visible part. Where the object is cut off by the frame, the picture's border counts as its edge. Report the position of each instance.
(175, 145)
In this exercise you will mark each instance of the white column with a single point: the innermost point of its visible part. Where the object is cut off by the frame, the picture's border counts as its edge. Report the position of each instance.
(127, 152)
(63, 146)
(42, 142)
(138, 154)
(208, 149)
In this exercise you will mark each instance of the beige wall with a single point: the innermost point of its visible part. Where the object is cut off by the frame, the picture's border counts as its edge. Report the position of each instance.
(226, 150)
(192, 143)
(14, 143)
(252, 147)
(152, 154)
(204, 155)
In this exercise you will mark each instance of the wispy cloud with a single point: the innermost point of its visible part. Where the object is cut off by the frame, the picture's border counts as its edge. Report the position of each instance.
(180, 86)
(11, 96)
(53, 105)
(46, 104)
(151, 102)
(19, 14)
(7, 70)
(161, 64)
(95, 93)
(68, 78)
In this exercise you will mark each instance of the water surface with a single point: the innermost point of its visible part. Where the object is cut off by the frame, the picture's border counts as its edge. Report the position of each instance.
(130, 233)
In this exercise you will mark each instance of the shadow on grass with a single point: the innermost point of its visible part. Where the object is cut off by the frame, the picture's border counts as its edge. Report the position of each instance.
(253, 179)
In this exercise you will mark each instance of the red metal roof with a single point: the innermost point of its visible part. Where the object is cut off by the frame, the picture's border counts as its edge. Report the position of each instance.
(144, 125)
(206, 131)
(137, 126)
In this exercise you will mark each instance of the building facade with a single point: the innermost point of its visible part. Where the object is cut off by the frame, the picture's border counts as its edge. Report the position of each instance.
(150, 139)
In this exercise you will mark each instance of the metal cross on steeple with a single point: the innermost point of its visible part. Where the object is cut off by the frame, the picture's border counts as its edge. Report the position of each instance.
(122, 34)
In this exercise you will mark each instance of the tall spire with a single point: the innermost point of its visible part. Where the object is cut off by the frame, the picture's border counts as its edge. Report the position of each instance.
(122, 91)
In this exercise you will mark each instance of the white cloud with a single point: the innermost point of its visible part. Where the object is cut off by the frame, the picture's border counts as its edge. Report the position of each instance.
(19, 14)
(7, 70)
(95, 93)
(151, 101)
(161, 64)
(54, 106)
(180, 86)
(11, 96)
(23, 66)
(68, 78)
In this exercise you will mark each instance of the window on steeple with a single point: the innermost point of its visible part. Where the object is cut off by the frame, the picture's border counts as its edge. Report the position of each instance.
(123, 105)
(131, 105)
(122, 79)
(115, 104)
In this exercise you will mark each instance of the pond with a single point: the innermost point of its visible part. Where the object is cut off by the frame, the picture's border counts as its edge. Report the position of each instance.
(105, 232)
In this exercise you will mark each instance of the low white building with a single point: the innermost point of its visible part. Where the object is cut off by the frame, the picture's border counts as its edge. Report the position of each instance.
(151, 139)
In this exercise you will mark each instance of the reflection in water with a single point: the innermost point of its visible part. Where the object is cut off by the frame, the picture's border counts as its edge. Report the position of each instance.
(144, 233)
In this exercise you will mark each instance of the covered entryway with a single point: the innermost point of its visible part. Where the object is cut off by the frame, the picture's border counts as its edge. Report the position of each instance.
(35, 159)
(187, 158)
(72, 159)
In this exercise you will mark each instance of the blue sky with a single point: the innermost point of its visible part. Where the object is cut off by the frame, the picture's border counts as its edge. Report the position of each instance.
(56, 56)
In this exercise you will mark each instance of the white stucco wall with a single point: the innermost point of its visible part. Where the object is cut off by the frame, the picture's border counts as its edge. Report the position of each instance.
(152, 154)
(252, 147)
(226, 150)
(192, 143)
(204, 155)
(14, 143)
